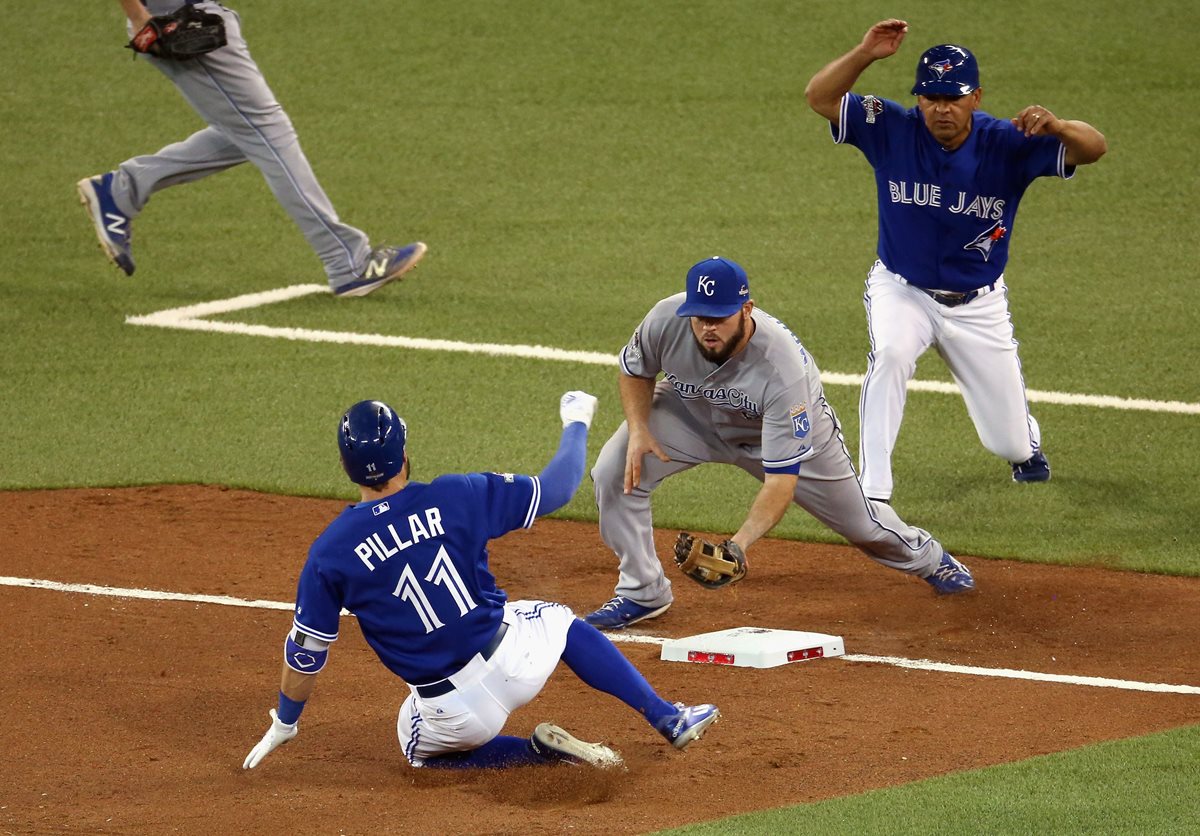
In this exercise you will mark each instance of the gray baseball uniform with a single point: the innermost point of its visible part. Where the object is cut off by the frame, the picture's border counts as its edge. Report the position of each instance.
(245, 123)
(764, 410)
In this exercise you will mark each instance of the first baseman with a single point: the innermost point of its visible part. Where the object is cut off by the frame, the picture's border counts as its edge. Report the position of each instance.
(948, 179)
(411, 562)
(738, 388)
(245, 122)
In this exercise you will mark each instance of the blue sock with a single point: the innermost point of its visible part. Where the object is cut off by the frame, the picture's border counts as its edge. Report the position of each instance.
(599, 664)
(497, 753)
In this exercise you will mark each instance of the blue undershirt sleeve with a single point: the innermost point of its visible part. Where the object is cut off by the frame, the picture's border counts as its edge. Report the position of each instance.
(561, 477)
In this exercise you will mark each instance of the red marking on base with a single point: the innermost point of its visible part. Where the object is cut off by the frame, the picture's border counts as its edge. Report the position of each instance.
(710, 658)
(806, 653)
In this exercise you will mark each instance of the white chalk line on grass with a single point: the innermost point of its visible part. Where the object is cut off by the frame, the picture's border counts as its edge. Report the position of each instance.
(191, 318)
(632, 638)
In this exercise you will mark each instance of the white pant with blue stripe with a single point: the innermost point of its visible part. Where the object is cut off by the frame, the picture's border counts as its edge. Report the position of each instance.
(976, 341)
(486, 691)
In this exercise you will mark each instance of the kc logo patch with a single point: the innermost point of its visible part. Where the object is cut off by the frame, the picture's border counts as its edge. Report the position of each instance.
(705, 285)
(800, 422)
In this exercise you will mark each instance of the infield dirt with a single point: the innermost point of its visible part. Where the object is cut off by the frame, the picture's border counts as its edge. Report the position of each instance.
(128, 715)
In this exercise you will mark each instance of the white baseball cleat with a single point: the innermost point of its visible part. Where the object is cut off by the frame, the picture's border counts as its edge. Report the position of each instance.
(554, 743)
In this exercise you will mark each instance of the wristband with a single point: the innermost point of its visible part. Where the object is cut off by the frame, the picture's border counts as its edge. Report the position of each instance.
(289, 710)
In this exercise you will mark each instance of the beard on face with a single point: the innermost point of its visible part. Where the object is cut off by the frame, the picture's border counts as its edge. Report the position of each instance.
(722, 354)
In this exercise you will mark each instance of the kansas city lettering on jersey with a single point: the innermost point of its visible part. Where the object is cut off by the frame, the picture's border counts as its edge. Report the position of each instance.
(929, 194)
(389, 542)
(717, 395)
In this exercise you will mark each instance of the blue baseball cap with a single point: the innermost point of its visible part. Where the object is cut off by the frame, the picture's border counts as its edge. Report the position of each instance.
(946, 70)
(716, 288)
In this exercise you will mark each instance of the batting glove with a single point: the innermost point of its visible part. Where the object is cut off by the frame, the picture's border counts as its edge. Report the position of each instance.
(276, 736)
(577, 406)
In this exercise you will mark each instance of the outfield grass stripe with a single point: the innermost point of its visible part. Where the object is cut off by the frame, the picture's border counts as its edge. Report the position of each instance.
(191, 318)
(628, 638)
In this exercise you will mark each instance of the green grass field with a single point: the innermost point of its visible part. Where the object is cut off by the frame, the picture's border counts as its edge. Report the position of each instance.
(566, 163)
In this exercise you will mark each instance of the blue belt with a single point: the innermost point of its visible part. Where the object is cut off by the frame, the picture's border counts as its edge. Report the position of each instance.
(437, 689)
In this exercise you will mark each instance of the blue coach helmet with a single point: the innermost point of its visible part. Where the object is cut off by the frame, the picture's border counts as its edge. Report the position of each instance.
(371, 437)
(946, 70)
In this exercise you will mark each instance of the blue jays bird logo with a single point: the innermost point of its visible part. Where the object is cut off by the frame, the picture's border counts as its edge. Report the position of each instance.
(941, 67)
(986, 240)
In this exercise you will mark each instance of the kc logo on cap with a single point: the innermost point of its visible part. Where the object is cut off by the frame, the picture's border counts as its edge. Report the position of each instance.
(716, 288)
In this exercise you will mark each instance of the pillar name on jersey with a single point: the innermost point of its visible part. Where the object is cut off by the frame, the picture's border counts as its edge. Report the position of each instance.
(389, 542)
(929, 194)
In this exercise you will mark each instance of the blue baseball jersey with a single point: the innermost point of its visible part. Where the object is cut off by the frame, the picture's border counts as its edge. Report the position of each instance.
(945, 217)
(413, 568)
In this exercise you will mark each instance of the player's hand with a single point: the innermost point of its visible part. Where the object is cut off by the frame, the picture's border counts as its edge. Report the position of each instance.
(884, 38)
(577, 406)
(641, 442)
(276, 736)
(1036, 120)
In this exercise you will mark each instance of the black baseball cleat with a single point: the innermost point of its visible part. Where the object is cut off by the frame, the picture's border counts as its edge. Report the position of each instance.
(1036, 469)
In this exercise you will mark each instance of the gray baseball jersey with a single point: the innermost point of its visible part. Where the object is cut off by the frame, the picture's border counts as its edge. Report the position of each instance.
(764, 410)
(761, 396)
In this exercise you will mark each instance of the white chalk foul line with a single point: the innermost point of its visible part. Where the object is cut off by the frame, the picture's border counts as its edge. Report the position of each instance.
(191, 318)
(632, 638)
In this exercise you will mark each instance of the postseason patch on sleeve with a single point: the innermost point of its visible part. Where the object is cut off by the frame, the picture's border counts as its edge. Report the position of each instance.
(872, 107)
(800, 422)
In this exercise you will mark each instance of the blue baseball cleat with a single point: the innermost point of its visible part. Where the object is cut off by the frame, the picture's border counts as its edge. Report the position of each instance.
(1037, 469)
(688, 724)
(385, 264)
(621, 612)
(950, 576)
(111, 224)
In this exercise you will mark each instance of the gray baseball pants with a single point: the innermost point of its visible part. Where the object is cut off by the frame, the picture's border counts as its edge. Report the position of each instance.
(828, 489)
(245, 123)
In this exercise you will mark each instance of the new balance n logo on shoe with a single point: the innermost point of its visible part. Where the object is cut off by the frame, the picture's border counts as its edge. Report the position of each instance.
(115, 224)
(376, 269)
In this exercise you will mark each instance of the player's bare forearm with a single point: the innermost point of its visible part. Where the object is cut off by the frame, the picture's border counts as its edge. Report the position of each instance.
(136, 12)
(295, 685)
(825, 89)
(637, 394)
(637, 397)
(771, 503)
(1084, 143)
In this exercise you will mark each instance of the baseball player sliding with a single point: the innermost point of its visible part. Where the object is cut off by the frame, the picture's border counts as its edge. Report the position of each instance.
(411, 562)
(223, 84)
(948, 178)
(737, 388)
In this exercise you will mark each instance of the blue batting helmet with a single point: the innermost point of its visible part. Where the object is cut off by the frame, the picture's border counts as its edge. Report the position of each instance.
(946, 70)
(371, 437)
